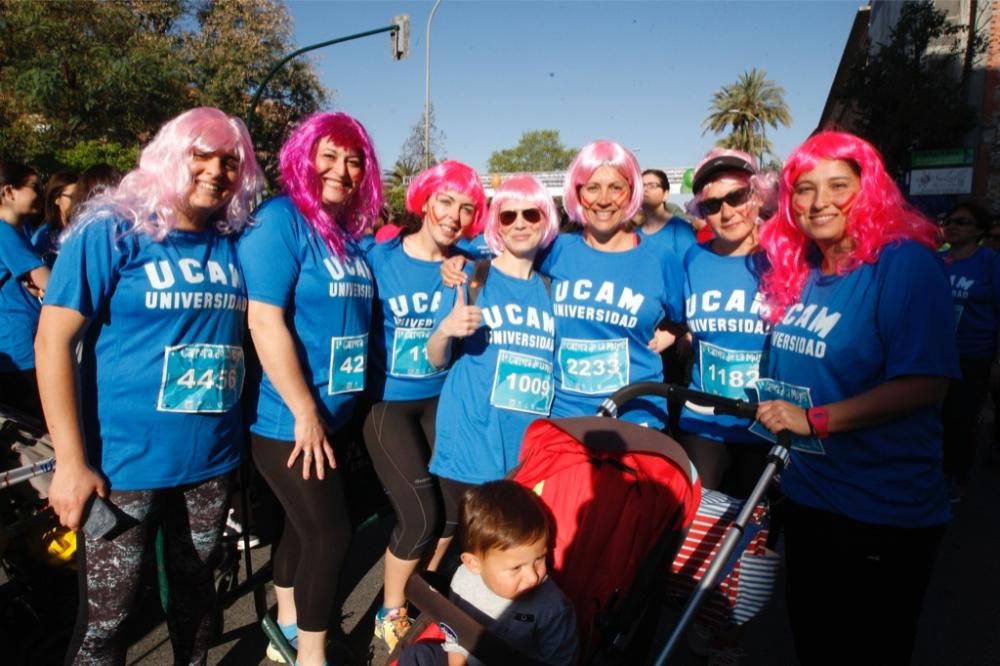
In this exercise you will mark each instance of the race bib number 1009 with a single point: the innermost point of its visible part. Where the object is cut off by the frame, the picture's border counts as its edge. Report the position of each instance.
(201, 378)
(522, 383)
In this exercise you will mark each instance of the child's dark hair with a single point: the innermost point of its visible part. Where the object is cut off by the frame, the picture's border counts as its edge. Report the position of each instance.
(500, 515)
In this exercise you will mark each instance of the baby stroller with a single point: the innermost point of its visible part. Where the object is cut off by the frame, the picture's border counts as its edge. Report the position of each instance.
(610, 557)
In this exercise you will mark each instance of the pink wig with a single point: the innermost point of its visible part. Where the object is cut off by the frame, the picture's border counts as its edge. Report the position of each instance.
(878, 217)
(449, 176)
(761, 184)
(523, 190)
(297, 164)
(148, 196)
(591, 158)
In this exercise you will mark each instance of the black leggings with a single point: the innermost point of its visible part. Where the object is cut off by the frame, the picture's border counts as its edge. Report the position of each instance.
(317, 531)
(729, 468)
(855, 590)
(960, 414)
(399, 436)
(453, 491)
(111, 570)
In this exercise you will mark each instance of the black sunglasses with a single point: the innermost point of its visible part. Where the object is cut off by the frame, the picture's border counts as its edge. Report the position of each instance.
(958, 222)
(735, 198)
(530, 215)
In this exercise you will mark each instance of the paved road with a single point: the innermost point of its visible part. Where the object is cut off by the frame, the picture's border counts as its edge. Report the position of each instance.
(959, 625)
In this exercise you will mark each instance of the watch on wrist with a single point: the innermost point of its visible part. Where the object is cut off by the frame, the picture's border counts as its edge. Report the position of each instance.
(819, 421)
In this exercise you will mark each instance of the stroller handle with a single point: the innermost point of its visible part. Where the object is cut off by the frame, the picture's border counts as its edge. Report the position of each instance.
(720, 405)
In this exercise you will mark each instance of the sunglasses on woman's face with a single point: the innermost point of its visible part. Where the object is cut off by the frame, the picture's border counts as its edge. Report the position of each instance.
(530, 215)
(734, 199)
(958, 221)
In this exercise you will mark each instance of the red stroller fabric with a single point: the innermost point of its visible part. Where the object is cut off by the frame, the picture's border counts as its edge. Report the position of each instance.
(613, 487)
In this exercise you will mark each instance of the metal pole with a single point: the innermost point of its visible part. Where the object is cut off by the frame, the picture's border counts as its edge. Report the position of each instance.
(427, 88)
(252, 112)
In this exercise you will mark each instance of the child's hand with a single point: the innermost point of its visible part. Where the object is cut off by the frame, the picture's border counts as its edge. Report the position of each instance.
(463, 320)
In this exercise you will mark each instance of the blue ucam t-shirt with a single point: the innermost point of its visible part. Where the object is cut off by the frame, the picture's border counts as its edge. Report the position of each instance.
(45, 244)
(408, 295)
(975, 292)
(722, 309)
(18, 308)
(501, 382)
(847, 335)
(607, 306)
(474, 248)
(676, 236)
(327, 303)
(162, 368)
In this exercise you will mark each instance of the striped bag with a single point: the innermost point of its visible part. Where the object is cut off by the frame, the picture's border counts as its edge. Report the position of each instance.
(749, 578)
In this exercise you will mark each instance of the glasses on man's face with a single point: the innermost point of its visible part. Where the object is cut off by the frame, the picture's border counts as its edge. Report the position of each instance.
(530, 215)
(958, 221)
(733, 199)
(652, 186)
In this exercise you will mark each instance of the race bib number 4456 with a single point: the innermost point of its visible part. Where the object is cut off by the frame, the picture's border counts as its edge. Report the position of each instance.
(201, 378)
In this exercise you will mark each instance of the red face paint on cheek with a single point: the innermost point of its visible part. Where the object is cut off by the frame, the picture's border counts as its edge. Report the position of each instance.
(847, 202)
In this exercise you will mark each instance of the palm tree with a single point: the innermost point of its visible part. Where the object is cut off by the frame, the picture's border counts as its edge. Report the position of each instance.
(748, 107)
(400, 171)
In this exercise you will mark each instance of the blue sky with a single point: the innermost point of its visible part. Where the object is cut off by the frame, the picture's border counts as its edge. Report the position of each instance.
(641, 73)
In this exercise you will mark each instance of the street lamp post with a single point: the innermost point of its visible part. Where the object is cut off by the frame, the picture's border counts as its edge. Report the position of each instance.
(427, 88)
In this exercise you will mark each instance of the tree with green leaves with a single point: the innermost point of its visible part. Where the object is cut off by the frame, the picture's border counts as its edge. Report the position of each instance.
(81, 77)
(904, 94)
(538, 150)
(745, 109)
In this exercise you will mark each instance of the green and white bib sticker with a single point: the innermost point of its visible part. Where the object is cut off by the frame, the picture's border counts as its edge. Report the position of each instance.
(770, 389)
(522, 383)
(201, 378)
(728, 372)
(594, 367)
(409, 353)
(348, 356)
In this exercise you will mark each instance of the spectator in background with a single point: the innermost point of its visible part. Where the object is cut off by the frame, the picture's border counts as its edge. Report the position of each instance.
(57, 202)
(658, 225)
(94, 180)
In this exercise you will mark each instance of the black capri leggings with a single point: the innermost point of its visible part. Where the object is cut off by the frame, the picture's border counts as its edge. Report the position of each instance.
(317, 531)
(399, 436)
(453, 491)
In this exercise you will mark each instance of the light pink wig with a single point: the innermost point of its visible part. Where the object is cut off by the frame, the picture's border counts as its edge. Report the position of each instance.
(762, 184)
(148, 197)
(297, 165)
(878, 217)
(449, 176)
(523, 190)
(591, 158)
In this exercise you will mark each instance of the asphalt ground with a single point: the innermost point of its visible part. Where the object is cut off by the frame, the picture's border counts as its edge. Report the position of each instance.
(960, 625)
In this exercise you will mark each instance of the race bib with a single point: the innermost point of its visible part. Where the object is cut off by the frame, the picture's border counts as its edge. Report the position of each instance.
(201, 379)
(522, 383)
(348, 358)
(594, 367)
(409, 353)
(769, 389)
(728, 372)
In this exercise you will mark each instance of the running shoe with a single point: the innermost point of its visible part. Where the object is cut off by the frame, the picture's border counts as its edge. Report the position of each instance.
(392, 626)
(234, 531)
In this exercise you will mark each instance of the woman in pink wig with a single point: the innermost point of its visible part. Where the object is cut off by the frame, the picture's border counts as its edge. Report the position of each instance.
(310, 305)
(859, 359)
(399, 429)
(148, 278)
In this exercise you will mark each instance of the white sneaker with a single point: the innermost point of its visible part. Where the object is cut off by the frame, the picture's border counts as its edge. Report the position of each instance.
(234, 531)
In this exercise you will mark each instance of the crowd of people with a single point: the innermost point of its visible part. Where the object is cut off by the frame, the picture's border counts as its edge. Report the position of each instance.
(818, 293)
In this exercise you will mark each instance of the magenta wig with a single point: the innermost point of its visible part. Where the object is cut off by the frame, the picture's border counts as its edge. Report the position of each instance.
(297, 164)
(591, 158)
(763, 185)
(449, 176)
(524, 190)
(878, 217)
(148, 197)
